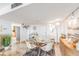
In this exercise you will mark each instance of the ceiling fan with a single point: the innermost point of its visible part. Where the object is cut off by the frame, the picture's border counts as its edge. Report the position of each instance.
(25, 26)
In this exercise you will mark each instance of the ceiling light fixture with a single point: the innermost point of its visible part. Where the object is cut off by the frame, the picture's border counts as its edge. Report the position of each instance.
(57, 24)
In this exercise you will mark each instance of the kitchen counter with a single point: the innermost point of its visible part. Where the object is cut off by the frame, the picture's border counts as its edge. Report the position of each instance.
(67, 49)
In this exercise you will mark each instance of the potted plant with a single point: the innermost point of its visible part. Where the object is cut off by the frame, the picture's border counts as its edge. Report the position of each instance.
(6, 41)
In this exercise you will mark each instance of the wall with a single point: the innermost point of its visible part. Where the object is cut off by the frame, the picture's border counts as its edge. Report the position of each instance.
(42, 30)
(61, 29)
(5, 26)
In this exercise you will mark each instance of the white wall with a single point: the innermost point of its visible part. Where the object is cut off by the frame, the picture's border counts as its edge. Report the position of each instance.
(6, 27)
(45, 32)
(42, 30)
(61, 29)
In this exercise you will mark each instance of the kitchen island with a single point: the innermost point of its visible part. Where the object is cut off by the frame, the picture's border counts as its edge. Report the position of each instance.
(67, 49)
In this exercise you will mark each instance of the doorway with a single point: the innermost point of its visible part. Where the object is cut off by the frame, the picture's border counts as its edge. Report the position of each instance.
(17, 33)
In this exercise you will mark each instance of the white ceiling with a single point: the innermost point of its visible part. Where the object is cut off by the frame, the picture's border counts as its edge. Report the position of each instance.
(38, 13)
(2, 5)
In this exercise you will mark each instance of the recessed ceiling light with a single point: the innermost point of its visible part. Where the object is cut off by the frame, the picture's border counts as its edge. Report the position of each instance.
(57, 23)
(56, 20)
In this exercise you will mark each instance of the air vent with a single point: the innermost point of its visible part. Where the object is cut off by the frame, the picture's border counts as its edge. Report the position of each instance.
(15, 5)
